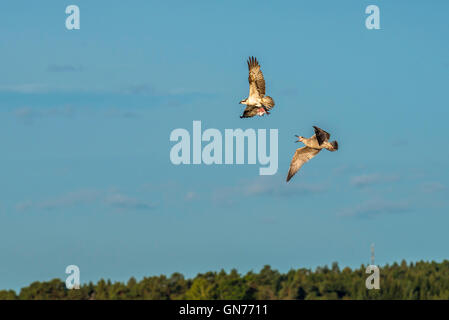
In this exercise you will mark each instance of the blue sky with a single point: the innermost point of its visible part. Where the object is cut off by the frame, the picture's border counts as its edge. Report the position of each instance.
(86, 115)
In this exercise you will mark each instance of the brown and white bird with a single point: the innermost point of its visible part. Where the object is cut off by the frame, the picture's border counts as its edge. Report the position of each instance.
(313, 145)
(257, 103)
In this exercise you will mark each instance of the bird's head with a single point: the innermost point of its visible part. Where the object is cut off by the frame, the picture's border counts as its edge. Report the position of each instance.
(300, 138)
(243, 101)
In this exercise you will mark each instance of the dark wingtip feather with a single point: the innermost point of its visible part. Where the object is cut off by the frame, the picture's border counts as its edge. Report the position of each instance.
(252, 62)
(317, 130)
(321, 135)
(335, 145)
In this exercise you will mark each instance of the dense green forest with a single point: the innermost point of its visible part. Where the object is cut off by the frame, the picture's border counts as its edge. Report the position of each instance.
(421, 280)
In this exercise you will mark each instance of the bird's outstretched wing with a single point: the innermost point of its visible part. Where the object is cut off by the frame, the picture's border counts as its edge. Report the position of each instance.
(255, 79)
(321, 135)
(301, 156)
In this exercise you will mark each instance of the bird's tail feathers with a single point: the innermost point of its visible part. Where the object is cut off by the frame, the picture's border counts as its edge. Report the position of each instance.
(268, 102)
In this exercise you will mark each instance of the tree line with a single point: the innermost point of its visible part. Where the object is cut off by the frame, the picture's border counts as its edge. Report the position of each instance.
(420, 280)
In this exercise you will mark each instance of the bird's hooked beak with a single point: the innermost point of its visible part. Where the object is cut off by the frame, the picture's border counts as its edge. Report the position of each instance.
(297, 137)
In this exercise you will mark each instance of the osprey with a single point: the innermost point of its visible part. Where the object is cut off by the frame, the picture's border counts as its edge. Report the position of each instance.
(257, 103)
(317, 142)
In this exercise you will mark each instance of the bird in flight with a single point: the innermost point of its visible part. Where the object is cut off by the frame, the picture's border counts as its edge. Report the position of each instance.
(257, 103)
(313, 145)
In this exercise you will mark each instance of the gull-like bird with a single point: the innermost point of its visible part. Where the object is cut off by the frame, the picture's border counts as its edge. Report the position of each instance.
(313, 145)
(257, 103)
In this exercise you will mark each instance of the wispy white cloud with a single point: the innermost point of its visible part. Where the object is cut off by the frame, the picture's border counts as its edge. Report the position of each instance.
(277, 187)
(190, 196)
(376, 207)
(67, 200)
(346, 169)
(266, 187)
(85, 197)
(365, 180)
(120, 201)
(121, 113)
(144, 89)
(31, 114)
(432, 187)
(28, 114)
(24, 205)
(26, 88)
